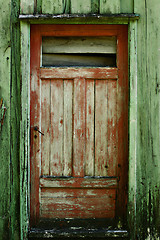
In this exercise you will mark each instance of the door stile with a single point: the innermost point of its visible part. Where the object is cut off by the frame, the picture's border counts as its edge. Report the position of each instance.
(35, 105)
(122, 122)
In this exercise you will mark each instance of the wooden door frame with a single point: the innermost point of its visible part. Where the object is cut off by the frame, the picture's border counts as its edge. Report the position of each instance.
(25, 118)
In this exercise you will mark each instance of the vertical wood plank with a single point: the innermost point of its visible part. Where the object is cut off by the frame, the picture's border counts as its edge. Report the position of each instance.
(45, 127)
(95, 6)
(67, 6)
(68, 104)
(112, 129)
(9, 130)
(26, 7)
(101, 128)
(89, 150)
(148, 110)
(56, 159)
(83, 6)
(127, 6)
(132, 185)
(109, 6)
(79, 127)
(52, 7)
(39, 6)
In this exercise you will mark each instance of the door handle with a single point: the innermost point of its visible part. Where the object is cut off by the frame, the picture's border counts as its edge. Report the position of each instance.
(37, 129)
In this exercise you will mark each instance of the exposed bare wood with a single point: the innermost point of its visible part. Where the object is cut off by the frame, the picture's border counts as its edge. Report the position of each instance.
(89, 146)
(78, 203)
(56, 160)
(68, 110)
(79, 127)
(78, 182)
(112, 129)
(101, 103)
(79, 45)
(45, 126)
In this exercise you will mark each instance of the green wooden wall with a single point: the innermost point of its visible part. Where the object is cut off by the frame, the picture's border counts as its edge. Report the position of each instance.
(73, 6)
(147, 215)
(9, 131)
(148, 137)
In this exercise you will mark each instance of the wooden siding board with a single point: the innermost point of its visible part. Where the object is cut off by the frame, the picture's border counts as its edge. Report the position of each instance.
(109, 6)
(15, 111)
(95, 6)
(25, 129)
(39, 6)
(132, 126)
(52, 7)
(27, 7)
(148, 153)
(5, 65)
(67, 6)
(127, 6)
(83, 6)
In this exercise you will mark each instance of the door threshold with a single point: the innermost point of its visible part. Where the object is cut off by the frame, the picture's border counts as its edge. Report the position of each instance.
(77, 233)
(77, 228)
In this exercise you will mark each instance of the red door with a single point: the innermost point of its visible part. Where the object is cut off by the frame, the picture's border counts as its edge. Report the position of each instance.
(79, 129)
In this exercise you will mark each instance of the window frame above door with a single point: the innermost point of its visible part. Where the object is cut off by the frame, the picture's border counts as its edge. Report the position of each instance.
(25, 116)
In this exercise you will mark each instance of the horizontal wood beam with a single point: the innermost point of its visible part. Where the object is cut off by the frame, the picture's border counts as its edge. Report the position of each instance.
(78, 182)
(80, 18)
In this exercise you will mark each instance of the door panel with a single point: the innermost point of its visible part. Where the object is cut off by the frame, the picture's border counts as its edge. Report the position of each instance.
(75, 114)
(77, 203)
(79, 163)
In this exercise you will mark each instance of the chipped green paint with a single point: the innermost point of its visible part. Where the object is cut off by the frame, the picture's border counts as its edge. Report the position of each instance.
(132, 127)
(148, 134)
(127, 6)
(52, 7)
(5, 64)
(85, 6)
(15, 110)
(25, 129)
(26, 6)
(109, 6)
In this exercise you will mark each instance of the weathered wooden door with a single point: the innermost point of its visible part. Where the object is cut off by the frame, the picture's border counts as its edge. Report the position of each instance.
(79, 125)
